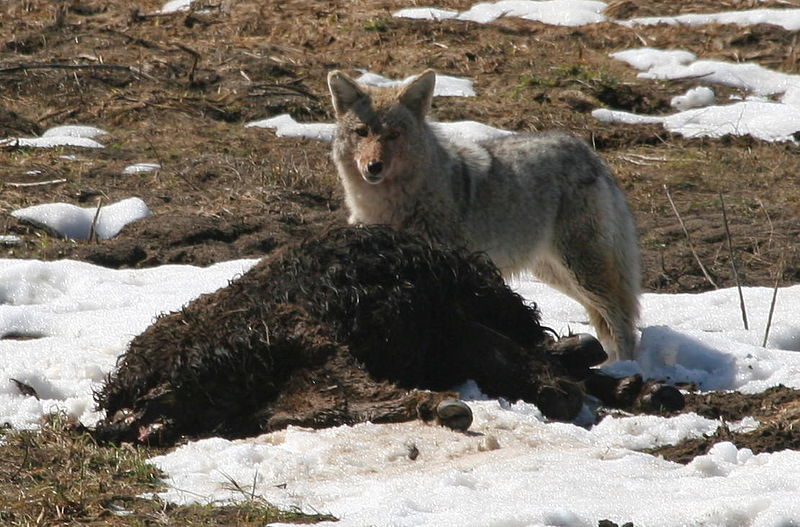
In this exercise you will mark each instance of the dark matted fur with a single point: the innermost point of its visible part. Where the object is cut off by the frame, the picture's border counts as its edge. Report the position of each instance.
(348, 326)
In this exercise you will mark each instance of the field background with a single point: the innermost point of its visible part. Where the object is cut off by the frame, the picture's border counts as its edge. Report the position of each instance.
(227, 191)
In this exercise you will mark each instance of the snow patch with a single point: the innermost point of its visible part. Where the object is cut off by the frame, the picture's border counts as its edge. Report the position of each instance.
(140, 168)
(10, 240)
(694, 98)
(68, 135)
(73, 130)
(512, 471)
(788, 19)
(757, 116)
(173, 6)
(762, 120)
(71, 221)
(446, 86)
(285, 126)
(553, 12)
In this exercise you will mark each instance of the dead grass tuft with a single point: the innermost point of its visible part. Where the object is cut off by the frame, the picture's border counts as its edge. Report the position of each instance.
(58, 475)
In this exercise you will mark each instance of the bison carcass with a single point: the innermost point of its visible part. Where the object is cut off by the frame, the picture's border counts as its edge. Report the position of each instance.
(353, 325)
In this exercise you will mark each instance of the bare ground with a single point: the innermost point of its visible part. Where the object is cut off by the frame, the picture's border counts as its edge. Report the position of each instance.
(177, 89)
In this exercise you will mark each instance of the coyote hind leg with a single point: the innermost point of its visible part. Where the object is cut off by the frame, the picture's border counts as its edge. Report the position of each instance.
(609, 292)
(590, 275)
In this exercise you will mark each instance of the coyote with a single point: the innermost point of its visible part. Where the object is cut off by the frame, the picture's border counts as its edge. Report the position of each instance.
(543, 203)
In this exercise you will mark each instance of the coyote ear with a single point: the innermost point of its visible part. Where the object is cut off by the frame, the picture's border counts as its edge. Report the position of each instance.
(345, 92)
(417, 96)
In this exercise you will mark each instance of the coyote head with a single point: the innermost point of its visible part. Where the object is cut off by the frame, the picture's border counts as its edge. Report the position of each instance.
(380, 132)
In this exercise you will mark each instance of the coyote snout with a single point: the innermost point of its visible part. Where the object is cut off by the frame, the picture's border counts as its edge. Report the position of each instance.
(543, 203)
(370, 160)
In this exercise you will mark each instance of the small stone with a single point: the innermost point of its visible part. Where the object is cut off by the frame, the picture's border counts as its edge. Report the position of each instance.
(488, 444)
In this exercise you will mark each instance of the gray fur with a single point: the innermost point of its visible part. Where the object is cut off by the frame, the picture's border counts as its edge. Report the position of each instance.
(543, 203)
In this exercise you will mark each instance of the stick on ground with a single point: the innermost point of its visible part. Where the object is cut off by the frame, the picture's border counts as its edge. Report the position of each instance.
(733, 262)
(93, 228)
(778, 275)
(689, 239)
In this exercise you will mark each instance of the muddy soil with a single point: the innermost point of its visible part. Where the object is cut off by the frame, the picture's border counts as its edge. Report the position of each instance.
(177, 89)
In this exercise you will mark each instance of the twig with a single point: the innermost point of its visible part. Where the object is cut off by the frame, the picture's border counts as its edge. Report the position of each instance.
(769, 220)
(778, 276)
(733, 262)
(66, 112)
(292, 88)
(17, 472)
(689, 239)
(195, 59)
(647, 158)
(92, 229)
(36, 183)
(25, 389)
(57, 66)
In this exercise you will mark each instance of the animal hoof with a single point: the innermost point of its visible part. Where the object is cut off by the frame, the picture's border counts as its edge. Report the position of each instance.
(454, 414)
(662, 397)
(577, 353)
(628, 390)
(561, 401)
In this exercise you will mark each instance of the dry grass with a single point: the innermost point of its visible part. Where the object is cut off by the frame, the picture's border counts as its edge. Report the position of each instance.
(58, 475)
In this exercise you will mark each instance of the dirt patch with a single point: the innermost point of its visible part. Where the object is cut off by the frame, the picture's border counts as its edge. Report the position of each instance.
(777, 411)
(204, 240)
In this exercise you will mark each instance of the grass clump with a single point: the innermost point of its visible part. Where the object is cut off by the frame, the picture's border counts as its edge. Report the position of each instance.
(58, 475)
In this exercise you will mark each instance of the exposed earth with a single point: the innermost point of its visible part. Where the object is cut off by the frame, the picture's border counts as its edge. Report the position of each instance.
(177, 89)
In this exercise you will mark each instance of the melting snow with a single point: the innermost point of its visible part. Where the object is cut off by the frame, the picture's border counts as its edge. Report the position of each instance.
(69, 135)
(140, 168)
(446, 86)
(71, 221)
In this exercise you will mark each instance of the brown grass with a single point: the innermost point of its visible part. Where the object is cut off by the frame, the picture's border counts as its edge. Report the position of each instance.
(57, 475)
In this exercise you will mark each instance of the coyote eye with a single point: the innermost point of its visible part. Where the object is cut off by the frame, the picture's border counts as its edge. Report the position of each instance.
(362, 131)
(392, 134)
